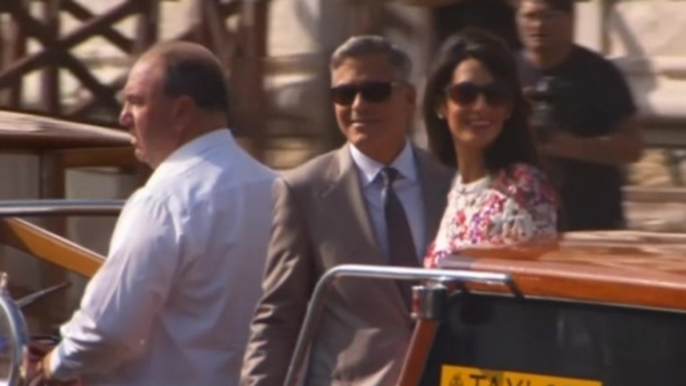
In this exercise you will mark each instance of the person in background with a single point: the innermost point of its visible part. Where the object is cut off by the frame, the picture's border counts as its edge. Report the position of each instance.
(477, 119)
(376, 200)
(172, 303)
(495, 16)
(595, 132)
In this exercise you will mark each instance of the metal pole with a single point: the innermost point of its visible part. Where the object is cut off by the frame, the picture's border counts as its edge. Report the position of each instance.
(307, 330)
(20, 208)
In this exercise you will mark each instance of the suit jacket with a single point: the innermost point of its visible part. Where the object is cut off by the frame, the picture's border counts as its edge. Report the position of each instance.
(321, 221)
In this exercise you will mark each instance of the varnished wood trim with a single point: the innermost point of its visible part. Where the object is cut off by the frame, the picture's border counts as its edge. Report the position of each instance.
(418, 352)
(44, 245)
(597, 284)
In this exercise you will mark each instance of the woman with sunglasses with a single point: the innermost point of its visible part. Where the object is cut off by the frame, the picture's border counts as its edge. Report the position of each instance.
(477, 120)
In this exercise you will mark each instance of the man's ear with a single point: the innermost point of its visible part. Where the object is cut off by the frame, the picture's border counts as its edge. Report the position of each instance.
(183, 110)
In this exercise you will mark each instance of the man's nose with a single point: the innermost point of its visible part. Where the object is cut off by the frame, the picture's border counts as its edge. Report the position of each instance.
(359, 102)
(535, 23)
(125, 116)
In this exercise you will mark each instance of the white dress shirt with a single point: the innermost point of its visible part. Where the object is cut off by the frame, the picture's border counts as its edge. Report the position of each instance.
(173, 302)
(407, 187)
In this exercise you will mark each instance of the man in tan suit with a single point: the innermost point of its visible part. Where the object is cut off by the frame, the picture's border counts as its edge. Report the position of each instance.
(335, 210)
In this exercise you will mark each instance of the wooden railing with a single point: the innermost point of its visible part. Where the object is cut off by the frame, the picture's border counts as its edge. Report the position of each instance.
(29, 238)
(240, 48)
(56, 51)
(61, 255)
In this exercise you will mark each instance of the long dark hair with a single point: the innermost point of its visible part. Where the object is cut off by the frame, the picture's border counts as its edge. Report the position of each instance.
(515, 141)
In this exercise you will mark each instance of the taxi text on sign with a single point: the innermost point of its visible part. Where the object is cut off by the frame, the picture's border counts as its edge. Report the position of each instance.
(469, 376)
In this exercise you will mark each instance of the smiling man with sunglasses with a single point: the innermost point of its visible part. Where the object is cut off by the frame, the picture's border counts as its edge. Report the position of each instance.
(373, 105)
(377, 200)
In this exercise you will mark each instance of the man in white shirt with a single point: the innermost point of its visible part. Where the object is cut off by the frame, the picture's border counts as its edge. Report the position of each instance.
(172, 303)
(376, 200)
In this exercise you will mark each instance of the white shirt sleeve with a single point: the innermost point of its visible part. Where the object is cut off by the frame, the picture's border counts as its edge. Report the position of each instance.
(120, 302)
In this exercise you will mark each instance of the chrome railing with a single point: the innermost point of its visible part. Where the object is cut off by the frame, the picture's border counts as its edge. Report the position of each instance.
(23, 208)
(14, 337)
(440, 276)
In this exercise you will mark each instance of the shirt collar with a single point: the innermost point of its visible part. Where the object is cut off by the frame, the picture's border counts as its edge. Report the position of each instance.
(370, 168)
(474, 186)
(191, 150)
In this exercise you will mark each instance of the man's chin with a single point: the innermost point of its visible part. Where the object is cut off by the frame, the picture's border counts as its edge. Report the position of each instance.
(480, 141)
(539, 45)
(140, 155)
(361, 138)
(363, 128)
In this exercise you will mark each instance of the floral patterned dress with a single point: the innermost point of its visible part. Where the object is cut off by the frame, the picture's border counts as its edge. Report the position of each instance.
(517, 206)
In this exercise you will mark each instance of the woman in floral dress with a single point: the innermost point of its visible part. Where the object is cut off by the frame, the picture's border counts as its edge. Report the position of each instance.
(477, 121)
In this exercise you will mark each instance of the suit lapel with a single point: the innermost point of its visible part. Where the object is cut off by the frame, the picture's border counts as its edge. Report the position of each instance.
(343, 194)
(346, 196)
(434, 186)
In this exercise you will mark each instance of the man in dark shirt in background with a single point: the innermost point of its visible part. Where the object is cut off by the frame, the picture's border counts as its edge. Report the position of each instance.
(596, 130)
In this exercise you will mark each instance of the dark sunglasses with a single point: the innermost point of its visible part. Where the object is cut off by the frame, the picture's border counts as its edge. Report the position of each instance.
(466, 93)
(345, 94)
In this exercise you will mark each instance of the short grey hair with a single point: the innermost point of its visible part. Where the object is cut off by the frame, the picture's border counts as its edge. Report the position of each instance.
(364, 45)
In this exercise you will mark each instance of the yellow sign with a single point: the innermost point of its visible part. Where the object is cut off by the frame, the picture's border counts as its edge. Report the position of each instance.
(469, 376)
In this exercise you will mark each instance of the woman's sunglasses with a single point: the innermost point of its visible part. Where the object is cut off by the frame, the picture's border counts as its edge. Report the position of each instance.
(466, 93)
(345, 94)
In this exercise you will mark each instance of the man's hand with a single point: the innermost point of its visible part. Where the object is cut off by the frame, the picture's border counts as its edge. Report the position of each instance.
(562, 145)
(36, 366)
(621, 147)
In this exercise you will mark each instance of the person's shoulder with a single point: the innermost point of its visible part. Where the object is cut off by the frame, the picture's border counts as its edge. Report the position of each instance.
(522, 175)
(586, 57)
(430, 164)
(586, 53)
(521, 169)
(606, 81)
(525, 183)
(145, 201)
(250, 169)
(311, 171)
(429, 160)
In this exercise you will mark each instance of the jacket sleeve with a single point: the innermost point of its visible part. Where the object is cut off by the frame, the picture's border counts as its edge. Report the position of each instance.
(288, 283)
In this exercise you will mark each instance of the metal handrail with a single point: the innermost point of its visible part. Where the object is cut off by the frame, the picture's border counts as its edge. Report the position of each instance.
(22, 208)
(18, 339)
(375, 272)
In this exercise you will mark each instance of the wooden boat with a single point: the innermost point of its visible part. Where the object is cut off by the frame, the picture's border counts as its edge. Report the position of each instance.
(601, 308)
(58, 146)
(47, 246)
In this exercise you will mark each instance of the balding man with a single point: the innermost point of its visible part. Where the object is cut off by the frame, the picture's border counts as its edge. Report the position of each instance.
(173, 302)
